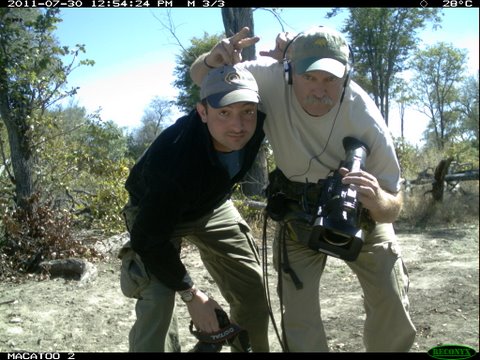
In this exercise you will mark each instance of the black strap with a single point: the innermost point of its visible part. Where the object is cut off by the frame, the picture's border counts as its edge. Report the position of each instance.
(221, 336)
(285, 263)
(225, 336)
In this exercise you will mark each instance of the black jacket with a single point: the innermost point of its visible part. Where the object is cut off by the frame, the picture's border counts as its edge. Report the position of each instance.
(179, 178)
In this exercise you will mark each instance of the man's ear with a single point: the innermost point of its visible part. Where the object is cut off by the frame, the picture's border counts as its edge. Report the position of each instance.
(202, 111)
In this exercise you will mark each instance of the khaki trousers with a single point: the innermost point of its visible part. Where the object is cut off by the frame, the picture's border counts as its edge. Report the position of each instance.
(383, 278)
(230, 255)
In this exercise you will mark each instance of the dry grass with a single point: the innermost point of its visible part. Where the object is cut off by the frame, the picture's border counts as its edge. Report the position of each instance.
(459, 206)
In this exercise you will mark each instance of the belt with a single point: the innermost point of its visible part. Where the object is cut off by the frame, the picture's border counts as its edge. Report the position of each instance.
(306, 192)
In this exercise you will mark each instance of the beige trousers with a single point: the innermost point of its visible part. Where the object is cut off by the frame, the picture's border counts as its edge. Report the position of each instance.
(383, 278)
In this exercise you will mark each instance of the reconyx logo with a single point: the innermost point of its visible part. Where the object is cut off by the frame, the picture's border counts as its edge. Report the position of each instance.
(451, 352)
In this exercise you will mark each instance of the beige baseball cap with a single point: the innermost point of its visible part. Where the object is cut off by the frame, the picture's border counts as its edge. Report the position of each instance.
(228, 84)
(320, 48)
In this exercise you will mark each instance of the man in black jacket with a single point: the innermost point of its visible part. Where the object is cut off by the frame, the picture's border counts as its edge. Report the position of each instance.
(180, 189)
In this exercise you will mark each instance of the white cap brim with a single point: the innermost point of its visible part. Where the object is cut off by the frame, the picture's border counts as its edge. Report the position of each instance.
(329, 65)
(228, 98)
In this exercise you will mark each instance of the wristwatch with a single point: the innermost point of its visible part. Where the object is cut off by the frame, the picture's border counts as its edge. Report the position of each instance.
(187, 295)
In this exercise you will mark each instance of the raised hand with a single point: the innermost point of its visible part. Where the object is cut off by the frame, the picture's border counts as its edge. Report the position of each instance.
(229, 50)
(281, 43)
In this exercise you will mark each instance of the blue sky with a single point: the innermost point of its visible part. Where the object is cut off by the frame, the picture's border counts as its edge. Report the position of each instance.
(135, 54)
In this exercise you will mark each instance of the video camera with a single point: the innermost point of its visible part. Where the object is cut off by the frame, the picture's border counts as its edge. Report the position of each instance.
(336, 225)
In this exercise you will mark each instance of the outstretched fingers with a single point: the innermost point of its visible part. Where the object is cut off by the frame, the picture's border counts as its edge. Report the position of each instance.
(281, 43)
(236, 43)
(241, 40)
(229, 50)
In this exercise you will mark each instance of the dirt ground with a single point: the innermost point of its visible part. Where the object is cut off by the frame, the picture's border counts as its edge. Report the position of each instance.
(93, 316)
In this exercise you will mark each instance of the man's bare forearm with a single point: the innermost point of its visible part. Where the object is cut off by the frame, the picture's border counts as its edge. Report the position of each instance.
(199, 68)
(388, 207)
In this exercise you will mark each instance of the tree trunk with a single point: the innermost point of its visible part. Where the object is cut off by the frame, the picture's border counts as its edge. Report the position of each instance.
(439, 179)
(22, 161)
(233, 20)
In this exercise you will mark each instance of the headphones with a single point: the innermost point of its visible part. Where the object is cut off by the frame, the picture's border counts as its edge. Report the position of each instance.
(287, 66)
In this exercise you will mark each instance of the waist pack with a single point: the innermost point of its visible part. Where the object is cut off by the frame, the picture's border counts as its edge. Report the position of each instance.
(283, 194)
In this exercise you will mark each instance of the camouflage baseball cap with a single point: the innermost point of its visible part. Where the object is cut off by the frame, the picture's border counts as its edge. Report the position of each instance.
(320, 48)
(228, 84)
